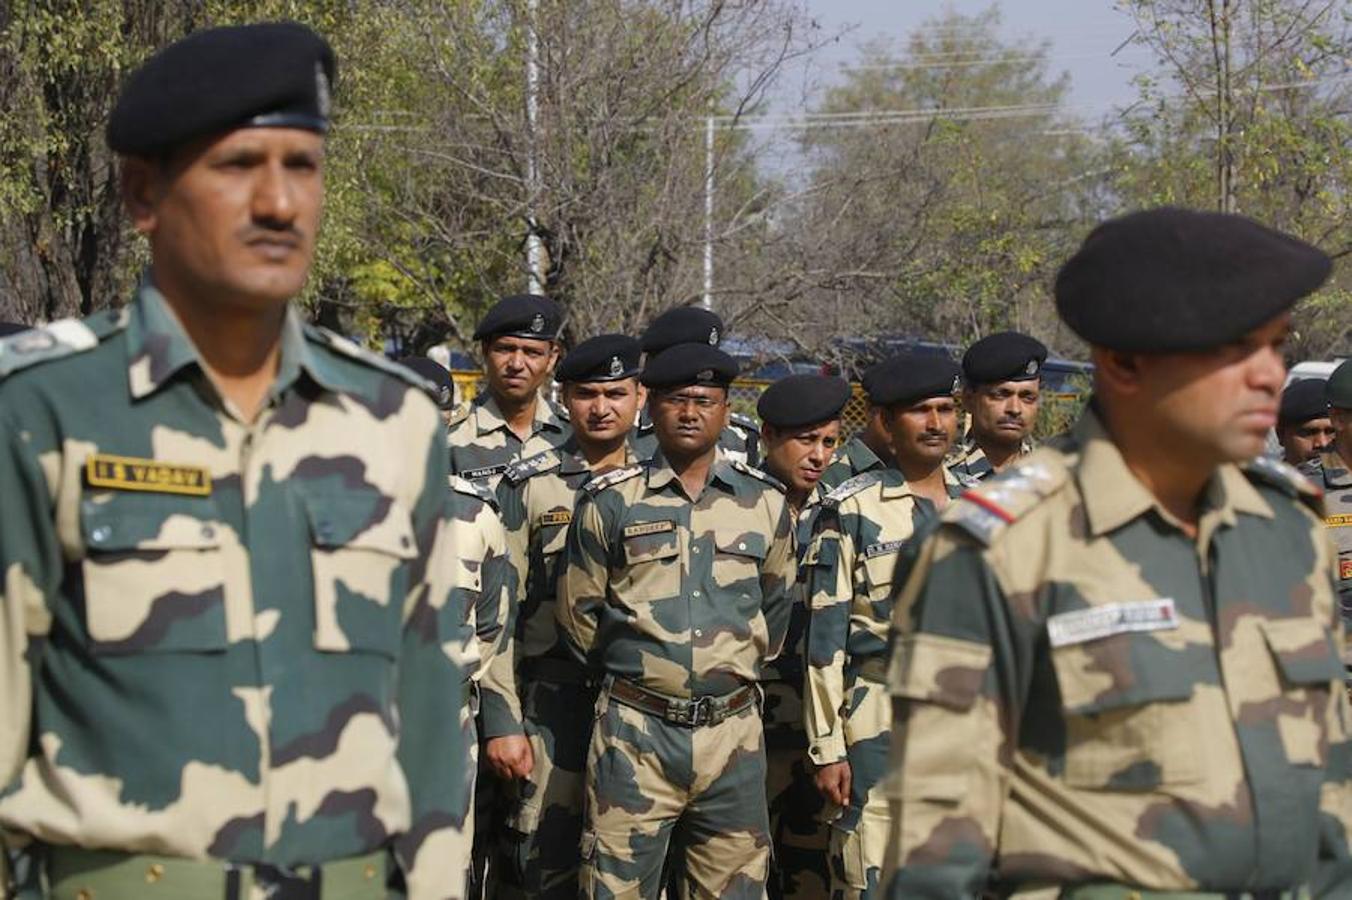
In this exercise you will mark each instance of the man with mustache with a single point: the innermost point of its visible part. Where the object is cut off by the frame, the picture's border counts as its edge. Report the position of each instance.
(540, 741)
(1304, 428)
(857, 536)
(869, 450)
(227, 610)
(800, 431)
(1001, 392)
(509, 420)
(1099, 659)
(675, 593)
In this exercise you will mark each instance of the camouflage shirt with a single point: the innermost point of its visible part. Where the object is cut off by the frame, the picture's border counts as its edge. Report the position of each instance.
(740, 441)
(1084, 693)
(969, 460)
(223, 639)
(483, 445)
(853, 458)
(1328, 471)
(683, 597)
(848, 569)
(537, 497)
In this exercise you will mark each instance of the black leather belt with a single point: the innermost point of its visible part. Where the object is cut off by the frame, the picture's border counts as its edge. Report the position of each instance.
(692, 712)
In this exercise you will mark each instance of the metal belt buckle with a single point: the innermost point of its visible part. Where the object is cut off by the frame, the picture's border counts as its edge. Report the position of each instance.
(279, 883)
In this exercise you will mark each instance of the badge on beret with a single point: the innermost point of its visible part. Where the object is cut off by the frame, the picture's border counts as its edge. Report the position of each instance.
(322, 100)
(616, 367)
(957, 383)
(705, 375)
(537, 324)
(713, 337)
(1031, 368)
(444, 395)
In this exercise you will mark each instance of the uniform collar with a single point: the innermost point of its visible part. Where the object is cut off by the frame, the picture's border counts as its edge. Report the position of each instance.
(158, 348)
(572, 461)
(862, 459)
(1113, 496)
(661, 474)
(897, 486)
(488, 416)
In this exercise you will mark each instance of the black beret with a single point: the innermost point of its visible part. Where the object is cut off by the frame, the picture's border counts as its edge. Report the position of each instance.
(521, 315)
(606, 357)
(1007, 356)
(435, 372)
(903, 380)
(1302, 401)
(1176, 280)
(686, 364)
(274, 74)
(1338, 391)
(8, 328)
(682, 325)
(799, 400)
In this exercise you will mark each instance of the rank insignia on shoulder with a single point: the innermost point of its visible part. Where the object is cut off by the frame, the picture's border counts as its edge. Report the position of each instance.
(645, 528)
(519, 471)
(851, 486)
(614, 476)
(128, 473)
(746, 469)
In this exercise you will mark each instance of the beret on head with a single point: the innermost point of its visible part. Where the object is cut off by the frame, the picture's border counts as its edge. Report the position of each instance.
(1302, 401)
(682, 325)
(1007, 356)
(687, 364)
(434, 372)
(1338, 389)
(521, 315)
(799, 400)
(910, 379)
(606, 357)
(1177, 280)
(275, 74)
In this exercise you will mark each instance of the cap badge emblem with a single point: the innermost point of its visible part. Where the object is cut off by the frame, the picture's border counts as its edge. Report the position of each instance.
(705, 375)
(713, 337)
(616, 367)
(537, 324)
(322, 101)
(1031, 368)
(957, 383)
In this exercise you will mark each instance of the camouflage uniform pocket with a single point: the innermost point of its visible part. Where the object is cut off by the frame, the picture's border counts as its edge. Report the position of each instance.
(154, 574)
(361, 542)
(738, 556)
(652, 567)
(1307, 667)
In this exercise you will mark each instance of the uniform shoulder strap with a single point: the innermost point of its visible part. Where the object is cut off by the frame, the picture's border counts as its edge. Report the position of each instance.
(349, 348)
(758, 474)
(607, 479)
(58, 340)
(987, 510)
(523, 469)
(851, 486)
(473, 489)
(1287, 479)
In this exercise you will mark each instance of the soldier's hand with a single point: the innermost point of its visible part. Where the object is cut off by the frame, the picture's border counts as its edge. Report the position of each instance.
(833, 780)
(510, 756)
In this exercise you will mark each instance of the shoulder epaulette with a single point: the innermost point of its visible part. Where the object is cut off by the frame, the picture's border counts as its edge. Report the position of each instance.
(614, 476)
(473, 489)
(1285, 478)
(560, 411)
(346, 347)
(963, 479)
(459, 415)
(523, 469)
(1313, 469)
(60, 339)
(989, 508)
(851, 486)
(759, 474)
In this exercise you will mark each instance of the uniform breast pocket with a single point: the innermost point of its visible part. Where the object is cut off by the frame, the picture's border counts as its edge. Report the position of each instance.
(1128, 723)
(879, 570)
(361, 544)
(1307, 668)
(738, 557)
(154, 574)
(651, 566)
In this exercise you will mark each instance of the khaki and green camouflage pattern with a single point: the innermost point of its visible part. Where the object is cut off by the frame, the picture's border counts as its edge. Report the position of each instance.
(483, 445)
(225, 640)
(740, 441)
(853, 458)
(1329, 472)
(969, 461)
(684, 598)
(544, 821)
(643, 774)
(1082, 693)
(857, 537)
(799, 834)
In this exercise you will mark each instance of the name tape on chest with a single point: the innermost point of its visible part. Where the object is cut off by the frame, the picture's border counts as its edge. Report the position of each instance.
(649, 528)
(1339, 521)
(560, 517)
(127, 473)
(882, 548)
(484, 472)
(1103, 621)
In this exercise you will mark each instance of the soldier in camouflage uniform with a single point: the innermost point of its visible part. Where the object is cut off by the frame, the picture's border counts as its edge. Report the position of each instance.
(695, 325)
(1001, 394)
(226, 593)
(1304, 429)
(1332, 472)
(869, 450)
(545, 757)
(485, 585)
(800, 432)
(509, 420)
(1114, 667)
(676, 592)
(848, 570)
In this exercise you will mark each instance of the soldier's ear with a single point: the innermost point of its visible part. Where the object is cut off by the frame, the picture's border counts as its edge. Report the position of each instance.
(1116, 372)
(139, 181)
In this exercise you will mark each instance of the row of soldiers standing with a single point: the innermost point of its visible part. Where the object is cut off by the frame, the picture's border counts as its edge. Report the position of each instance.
(599, 513)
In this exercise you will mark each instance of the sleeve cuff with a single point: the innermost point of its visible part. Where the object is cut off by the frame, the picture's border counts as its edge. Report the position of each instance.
(497, 718)
(826, 750)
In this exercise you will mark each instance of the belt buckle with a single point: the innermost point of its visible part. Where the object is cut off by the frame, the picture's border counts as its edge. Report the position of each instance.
(281, 883)
(701, 711)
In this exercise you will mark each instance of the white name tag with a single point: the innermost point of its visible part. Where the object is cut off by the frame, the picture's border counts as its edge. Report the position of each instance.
(1111, 618)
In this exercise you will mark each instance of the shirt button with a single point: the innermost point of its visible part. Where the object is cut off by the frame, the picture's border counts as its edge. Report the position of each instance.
(699, 633)
(741, 546)
(101, 534)
(694, 593)
(694, 549)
